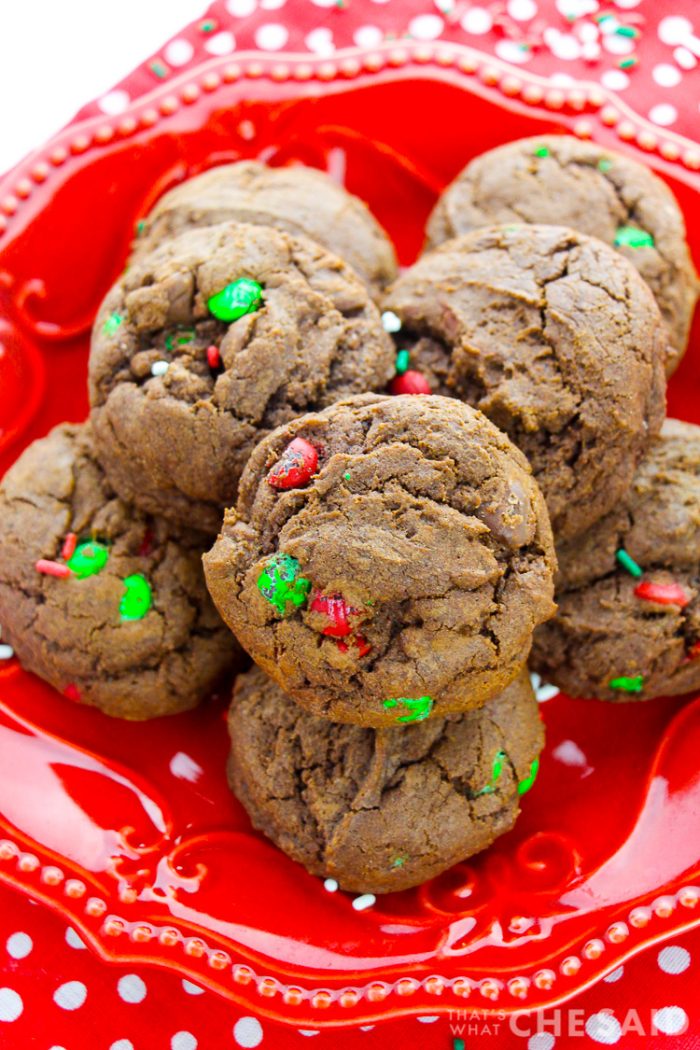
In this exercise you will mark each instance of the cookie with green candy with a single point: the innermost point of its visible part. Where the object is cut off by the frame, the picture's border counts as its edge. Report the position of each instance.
(558, 340)
(628, 591)
(105, 603)
(381, 810)
(299, 200)
(224, 333)
(568, 181)
(403, 579)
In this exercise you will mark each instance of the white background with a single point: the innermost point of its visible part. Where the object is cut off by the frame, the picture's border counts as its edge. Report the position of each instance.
(56, 55)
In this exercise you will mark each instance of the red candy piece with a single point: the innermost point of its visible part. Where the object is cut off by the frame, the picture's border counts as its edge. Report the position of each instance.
(52, 568)
(146, 544)
(410, 382)
(362, 645)
(69, 545)
(213, 357)
(338, 612)
(71, 692)
(662, 593)
(294, 470)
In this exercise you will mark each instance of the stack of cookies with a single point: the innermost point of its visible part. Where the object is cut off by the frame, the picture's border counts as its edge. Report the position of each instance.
(389, 562)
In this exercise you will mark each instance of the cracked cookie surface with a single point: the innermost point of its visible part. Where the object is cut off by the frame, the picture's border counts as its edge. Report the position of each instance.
(557, 340)
(129, 627)
(633, 618)
(296, 199)
(404, 577)
(180, 397)
(565, 181)
(381, 810)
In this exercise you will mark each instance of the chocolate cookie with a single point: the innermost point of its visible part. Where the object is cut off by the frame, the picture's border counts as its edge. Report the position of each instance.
(556, 338)
(628, 626)
(298, 200)
(107, 605)
(388, 558)
(210, 342)
(563, 180)
(381, 810)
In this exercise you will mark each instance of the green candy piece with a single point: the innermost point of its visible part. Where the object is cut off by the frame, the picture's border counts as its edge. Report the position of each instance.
(417, 709)
(628, 563)
(628, 684)
(137, 598)
(604, 164)
(112, 323)
(542, 151)
(236, 299)
(398, 862)
(632, 237)
(525, 785)
(88, 559)
(403, 360)
(498, 764)
(282, 585)
(182, 340)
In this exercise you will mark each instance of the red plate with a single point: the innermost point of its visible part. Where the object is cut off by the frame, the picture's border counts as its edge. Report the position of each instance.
(129, 830)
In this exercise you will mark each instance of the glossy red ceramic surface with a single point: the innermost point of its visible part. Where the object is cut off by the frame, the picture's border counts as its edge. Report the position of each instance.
(130, 830)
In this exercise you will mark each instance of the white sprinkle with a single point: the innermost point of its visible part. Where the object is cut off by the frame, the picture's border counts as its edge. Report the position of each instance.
(685, 58)
(391, 322)
(331, 885)
(6, 652)
(185, 768)
(364, 902)
(159, 368)
(546, 692)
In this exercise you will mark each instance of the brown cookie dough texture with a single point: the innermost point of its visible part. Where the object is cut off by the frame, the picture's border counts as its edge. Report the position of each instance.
(556, 338)
(640, 632)
(175, 444)
(565, 181)
(82, 634)
(381, 810)
(405, 578)
(298, 200)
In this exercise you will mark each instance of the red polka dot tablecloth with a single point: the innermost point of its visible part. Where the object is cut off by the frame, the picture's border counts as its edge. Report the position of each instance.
(54, 994)
(648, 51)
